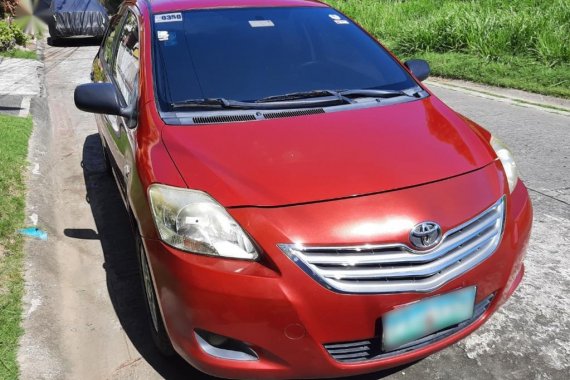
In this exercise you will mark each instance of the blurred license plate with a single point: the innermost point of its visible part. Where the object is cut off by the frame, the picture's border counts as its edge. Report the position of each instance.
(425, 317)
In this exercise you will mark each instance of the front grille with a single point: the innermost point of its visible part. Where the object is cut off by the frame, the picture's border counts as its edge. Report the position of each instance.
(395, 268)
(371, 349)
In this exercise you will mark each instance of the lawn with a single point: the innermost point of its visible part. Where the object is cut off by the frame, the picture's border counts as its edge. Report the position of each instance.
(14, 135)
(19, 53)
(522, 44)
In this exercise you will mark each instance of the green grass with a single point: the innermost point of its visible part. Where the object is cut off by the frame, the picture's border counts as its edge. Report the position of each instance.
(18, 53)
(14, 135)
(522, 44)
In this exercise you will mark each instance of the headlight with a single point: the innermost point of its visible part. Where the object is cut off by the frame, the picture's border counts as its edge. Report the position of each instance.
(192, 221)
(507, 160)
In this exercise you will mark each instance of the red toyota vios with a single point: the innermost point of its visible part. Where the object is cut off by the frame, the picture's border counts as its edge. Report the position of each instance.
(304, 207)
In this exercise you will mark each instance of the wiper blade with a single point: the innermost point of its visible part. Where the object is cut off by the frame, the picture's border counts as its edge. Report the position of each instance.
(315, 98)
(199, 103)
(222, 103)
(299, 95)
(412, 92)
(303, 95)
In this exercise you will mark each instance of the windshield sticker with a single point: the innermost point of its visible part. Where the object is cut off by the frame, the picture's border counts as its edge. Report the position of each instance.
(162, 35)
(168, 17)
(335, 17)
(341, 22)
(261, 23)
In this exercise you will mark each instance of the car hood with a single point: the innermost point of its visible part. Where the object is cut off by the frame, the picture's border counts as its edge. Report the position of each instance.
(327, 156)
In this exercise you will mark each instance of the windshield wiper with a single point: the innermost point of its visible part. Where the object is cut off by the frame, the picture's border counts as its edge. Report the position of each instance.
(333, 96)
(315, 98)
(264, 104)
(412, 92)
(205, 103)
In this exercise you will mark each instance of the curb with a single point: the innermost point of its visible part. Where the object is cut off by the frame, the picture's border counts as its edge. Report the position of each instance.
(521, 98)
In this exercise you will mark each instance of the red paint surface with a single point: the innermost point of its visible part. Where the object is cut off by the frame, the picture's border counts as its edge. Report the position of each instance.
(161, 6)
(326, 156)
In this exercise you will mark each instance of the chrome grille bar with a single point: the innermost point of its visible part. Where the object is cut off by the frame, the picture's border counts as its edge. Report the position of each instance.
(398, 268)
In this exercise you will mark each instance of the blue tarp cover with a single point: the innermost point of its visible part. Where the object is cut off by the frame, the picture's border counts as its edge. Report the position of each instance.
(78, 18)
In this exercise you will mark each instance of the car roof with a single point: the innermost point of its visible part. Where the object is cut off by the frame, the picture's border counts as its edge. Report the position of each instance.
(160, 6)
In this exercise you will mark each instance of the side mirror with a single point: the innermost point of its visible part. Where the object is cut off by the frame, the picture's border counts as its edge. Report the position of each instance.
(419, 68)
(100, 98)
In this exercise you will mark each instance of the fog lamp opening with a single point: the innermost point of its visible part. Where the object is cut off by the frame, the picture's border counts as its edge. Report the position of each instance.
(223, 347)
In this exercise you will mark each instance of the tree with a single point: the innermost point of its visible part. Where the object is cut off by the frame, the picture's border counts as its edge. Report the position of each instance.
(8, 7)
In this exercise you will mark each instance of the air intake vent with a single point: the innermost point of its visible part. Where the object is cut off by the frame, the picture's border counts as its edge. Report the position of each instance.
(371, 349)
(222, 119)
(275, 115)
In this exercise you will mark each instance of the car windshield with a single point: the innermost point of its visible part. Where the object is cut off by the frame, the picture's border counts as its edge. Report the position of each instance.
(250, 54)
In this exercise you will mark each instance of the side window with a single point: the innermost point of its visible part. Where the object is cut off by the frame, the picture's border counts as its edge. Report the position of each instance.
(126, 66)
(110, 39)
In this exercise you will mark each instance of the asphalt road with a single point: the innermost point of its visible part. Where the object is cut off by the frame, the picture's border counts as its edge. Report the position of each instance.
(84, 311)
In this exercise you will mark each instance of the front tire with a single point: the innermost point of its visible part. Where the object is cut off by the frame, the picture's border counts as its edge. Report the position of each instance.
(157, 329)
(54, 39)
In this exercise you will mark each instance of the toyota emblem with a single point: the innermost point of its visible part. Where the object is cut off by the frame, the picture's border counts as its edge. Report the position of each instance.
(425, 235)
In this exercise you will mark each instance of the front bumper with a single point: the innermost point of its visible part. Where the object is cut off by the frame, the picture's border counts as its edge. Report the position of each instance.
(287, 317)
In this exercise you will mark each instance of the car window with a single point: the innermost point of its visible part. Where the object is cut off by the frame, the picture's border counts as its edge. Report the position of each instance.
(126, 65)
(110, 39)
(250, 53)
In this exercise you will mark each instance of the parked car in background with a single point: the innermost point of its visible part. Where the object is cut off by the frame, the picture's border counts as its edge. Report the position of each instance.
(77, 18)
(304, 207)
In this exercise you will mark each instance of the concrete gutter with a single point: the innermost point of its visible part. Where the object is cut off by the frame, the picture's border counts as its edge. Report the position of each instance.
(37, 356)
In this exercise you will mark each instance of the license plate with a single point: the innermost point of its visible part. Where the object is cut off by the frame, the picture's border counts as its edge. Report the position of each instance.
(425, 317)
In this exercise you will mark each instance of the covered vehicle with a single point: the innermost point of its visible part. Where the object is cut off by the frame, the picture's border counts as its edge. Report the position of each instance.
(77, 18)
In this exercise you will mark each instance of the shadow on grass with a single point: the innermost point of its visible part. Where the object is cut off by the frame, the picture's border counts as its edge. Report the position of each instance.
(122, 268)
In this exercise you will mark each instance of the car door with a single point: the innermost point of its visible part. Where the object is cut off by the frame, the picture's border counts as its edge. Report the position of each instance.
(125, 74)
(119, 62)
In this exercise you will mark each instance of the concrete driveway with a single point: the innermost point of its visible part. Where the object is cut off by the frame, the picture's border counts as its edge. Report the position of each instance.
(84, 311)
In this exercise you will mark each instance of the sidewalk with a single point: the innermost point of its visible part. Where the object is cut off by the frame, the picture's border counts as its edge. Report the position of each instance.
(19, 82)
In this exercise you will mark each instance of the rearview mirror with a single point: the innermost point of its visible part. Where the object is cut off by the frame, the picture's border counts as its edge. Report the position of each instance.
(419, 68)
(100, 98)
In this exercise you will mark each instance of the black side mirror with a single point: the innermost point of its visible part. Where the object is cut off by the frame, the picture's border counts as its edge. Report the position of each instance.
(419, 68)
(100, 98)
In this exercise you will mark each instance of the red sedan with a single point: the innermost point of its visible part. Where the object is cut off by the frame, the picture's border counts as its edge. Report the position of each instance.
(304, 206)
